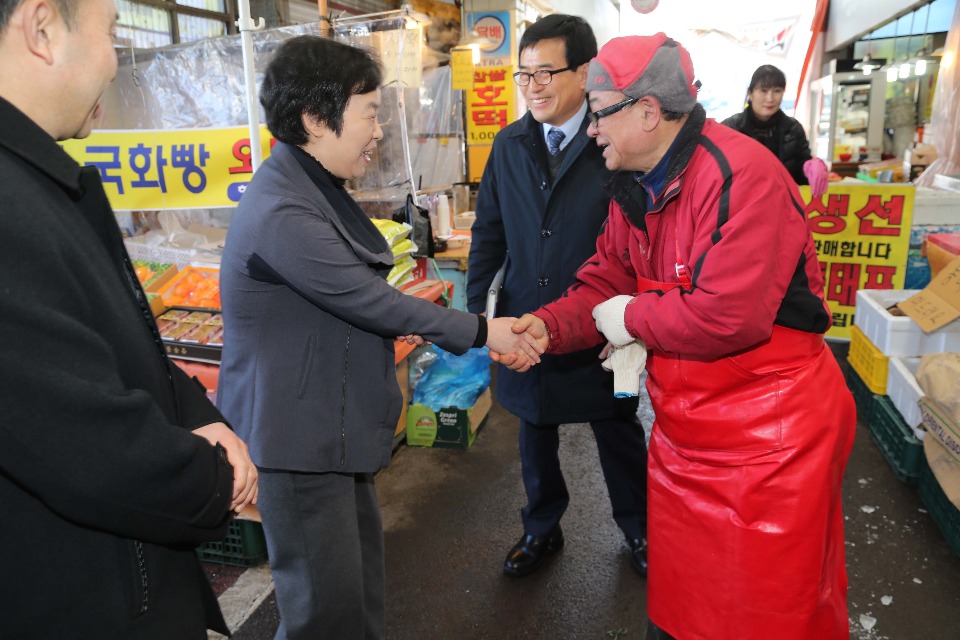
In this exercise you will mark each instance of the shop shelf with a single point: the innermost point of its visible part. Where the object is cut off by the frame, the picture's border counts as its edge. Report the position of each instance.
(944, 514)
(868, 361)
(896, 440)
(244, 545)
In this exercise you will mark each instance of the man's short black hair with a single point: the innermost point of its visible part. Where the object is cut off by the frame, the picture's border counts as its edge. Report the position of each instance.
(579, 42)
(67, 8)
(316, 76)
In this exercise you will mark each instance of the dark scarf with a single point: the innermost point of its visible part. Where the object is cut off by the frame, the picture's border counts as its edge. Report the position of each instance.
(333, 189)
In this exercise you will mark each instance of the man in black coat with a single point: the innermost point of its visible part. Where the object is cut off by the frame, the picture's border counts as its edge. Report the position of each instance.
(540, 207)
(113, 464)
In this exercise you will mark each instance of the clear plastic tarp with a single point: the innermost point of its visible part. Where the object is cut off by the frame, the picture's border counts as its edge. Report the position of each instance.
(945, 118)
(201, 84)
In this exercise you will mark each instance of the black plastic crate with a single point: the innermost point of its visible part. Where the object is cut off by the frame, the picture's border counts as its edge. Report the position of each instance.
(944, 514)
(244, 545)
(896, 440)
(862, 395)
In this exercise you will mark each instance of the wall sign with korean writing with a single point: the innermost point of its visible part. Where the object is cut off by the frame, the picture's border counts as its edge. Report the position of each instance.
(862, 235)
(147, 170)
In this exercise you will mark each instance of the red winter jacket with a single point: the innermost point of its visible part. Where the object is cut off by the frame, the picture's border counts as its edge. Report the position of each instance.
(734, 220)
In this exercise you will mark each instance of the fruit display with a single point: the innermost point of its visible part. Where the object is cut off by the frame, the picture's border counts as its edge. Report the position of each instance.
(151, 274)
(191, 327)
(193, 287)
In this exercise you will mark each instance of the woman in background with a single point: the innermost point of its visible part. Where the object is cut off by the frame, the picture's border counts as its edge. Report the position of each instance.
(308, 377)
(763, 120)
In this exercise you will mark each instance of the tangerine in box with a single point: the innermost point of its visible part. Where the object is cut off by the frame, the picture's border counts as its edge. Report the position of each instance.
(195, 287)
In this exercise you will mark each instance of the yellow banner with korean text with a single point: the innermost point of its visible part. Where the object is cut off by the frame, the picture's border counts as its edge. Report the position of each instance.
(146, 170)
(862, 234)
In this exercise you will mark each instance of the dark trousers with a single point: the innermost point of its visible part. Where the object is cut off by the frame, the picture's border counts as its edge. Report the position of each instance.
(325, 544)
(623, 458)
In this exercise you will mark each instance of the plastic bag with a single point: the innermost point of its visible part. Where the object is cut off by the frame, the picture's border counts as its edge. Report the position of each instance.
(454, 381)
(418, 218)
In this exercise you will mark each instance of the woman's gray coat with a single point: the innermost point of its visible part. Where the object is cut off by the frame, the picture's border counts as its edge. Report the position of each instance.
(308, 378)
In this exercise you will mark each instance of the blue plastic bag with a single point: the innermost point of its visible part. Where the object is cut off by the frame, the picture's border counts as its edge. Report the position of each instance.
(454, 381)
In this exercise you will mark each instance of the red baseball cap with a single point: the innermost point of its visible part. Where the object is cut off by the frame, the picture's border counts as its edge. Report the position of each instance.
(640, 66)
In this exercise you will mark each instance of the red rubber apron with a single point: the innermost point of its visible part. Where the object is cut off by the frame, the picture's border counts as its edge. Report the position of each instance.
(745, 465)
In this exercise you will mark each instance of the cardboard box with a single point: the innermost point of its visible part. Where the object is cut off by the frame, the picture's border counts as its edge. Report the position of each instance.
(403, 379)
(193, 287)
(156, 274)
(451, 427)
(940, 426)
(938, 304)
(945, 469)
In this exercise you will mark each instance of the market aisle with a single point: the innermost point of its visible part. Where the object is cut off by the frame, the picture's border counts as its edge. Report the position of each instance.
(450, 516)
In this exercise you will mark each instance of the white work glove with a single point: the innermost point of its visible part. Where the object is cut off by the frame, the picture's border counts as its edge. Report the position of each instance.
(610, 320)
(626, 362)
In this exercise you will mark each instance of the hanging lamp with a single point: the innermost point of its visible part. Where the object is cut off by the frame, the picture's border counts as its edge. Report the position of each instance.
(868, 64)
(923, 59)
(891, 66)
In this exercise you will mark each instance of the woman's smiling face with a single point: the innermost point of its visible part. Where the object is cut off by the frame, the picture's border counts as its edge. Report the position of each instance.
(348, 154)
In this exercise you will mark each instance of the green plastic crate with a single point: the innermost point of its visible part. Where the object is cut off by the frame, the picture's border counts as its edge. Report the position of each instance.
(244, 545)
(944, 514)
(862, 395)
(896, 440)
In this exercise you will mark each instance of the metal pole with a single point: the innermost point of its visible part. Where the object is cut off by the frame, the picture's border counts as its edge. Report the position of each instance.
(246, 26)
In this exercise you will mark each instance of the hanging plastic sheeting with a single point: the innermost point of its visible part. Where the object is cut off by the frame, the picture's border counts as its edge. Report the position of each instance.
(945, 117)
(201, 84)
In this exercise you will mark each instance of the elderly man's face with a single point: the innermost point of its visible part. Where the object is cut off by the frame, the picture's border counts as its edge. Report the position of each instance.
(557, 102)
(618, 132)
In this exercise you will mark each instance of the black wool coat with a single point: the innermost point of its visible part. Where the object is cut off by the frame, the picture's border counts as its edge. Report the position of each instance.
(543, 231)
(790, 139)
(104, 491)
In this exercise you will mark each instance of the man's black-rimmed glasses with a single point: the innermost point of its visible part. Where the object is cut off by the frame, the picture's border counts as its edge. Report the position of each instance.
(541, 77)
(609, 111)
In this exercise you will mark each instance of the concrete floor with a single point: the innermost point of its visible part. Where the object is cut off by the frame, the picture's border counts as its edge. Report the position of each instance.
(450, 516)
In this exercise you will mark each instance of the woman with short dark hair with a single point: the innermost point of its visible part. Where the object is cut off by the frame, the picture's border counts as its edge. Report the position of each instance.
(764, 121)
(308, 375)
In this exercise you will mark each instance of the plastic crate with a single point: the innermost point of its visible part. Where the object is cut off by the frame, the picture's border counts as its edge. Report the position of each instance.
(244, 545)
(862, 396)
(868, 361)
(896, 440)
(905, 393)
(900, 335)
(944, 514)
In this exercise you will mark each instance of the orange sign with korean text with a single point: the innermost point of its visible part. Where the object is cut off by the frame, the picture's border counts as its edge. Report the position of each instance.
(862, 234)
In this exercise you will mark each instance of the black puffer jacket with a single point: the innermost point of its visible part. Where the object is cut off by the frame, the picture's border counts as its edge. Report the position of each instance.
(783, 135)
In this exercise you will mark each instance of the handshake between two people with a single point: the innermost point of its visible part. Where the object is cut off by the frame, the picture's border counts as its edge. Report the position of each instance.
(624, 355)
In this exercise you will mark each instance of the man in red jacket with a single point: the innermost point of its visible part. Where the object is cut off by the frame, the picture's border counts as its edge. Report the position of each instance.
(707, 261)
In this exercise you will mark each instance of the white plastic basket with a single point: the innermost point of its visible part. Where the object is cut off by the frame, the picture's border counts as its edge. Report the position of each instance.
(900, 335)
(166, 255)
(905, 393)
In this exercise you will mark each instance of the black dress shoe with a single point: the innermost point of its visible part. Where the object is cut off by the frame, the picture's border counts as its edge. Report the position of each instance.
(638, 555)
(530, 552)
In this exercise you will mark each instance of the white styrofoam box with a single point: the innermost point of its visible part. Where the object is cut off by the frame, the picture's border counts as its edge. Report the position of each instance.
(904, 391)
(935, 206)
(900, 335)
